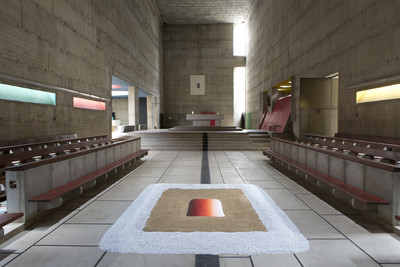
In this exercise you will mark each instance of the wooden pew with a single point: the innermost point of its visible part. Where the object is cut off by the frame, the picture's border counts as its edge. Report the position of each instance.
(24, 152)
(27, 156)
(356, 142)
(6, 218)
(43, 144)
(357, 148)
(352, 191)
(342, 165)
(60, 191)
(37, 139)
(377, 139)
(32, 181)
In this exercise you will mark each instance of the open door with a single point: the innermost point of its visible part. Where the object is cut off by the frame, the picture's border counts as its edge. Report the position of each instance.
(319, 106)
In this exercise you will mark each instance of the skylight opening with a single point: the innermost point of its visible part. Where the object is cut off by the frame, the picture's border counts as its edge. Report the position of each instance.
(239, 40)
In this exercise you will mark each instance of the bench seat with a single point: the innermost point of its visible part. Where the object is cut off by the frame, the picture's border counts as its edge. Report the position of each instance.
(76, 183)
(351, 190)
(6, 218)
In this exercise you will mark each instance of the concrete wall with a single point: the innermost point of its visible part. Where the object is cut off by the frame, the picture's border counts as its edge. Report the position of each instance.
(198, 50)
(314, 38)
(76, 45)
(120, 107)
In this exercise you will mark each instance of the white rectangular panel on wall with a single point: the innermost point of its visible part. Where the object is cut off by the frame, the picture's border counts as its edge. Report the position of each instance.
(197, 85)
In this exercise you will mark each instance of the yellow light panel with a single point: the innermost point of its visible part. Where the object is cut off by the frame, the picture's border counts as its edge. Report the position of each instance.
(378, 94)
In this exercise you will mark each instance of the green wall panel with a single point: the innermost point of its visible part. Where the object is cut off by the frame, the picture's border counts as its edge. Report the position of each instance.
(15, 93)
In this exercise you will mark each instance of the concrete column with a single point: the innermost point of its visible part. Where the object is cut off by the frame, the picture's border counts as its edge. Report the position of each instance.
(133, 106)
(150, 112)
(156, 117)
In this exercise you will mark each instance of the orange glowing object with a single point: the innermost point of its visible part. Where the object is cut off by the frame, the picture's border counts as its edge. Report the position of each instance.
(114, 86)
(205, 207)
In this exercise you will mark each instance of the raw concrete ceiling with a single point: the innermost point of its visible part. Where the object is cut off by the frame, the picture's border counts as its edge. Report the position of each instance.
(203, 11)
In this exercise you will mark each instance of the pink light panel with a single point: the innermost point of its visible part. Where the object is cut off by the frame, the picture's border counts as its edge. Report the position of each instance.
(114, 86)
(88, 104)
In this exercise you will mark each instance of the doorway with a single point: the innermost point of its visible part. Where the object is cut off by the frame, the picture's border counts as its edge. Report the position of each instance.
(319, 105)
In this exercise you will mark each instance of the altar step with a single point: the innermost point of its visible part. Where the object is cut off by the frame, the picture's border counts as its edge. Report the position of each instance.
(205, 128)
(171, 140)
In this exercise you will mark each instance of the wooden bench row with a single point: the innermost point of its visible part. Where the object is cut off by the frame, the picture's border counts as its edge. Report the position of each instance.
(36, 140)
(376, 139)
(22, 153)
(352, 191)
(6, 218)
(357, 151)
(355, 142)
(50, 150)
(62, 190)
(37, 144)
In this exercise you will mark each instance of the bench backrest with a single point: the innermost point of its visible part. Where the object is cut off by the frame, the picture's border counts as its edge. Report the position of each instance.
(36, 140)
(378, 139)
(38, 145)
(44, 151)
(387, 151)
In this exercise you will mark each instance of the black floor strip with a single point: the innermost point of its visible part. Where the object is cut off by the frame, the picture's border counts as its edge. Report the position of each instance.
(206, 260)
(205, 169)
(205, 141)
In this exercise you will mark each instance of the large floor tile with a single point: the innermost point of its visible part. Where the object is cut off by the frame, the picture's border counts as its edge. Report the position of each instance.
(215, 179)
(78, 203)
(318, 205)
(188, 179)
(311, 225)
(75, 234)
(178, 163)
(6, 258)
(136, 260)
(60, 256)
(269, 168)
(254, 174)
(225, 164)
(286, 260)
(151, 172)
(294, 187)
(244, 164)
(266, 184)
(231, 179)
(235, 262)
(128, 189)
(383, 247)
(226, 171)
(286, 200)
(101, 212)
(22, 241)
(183, 171)
(334, 253)
(167, 155)
(158, 164)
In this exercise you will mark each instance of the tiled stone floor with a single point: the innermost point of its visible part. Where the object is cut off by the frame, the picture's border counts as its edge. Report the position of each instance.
(70, 235)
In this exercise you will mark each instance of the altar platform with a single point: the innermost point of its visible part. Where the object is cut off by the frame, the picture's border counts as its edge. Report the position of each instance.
(205, 128)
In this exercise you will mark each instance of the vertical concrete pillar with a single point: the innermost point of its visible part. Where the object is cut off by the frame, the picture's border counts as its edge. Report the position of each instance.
(133, 106)
(150, 112)
(156, 117)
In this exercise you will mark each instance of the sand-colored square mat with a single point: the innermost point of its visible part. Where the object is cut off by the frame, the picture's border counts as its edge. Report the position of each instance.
(156, 223)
